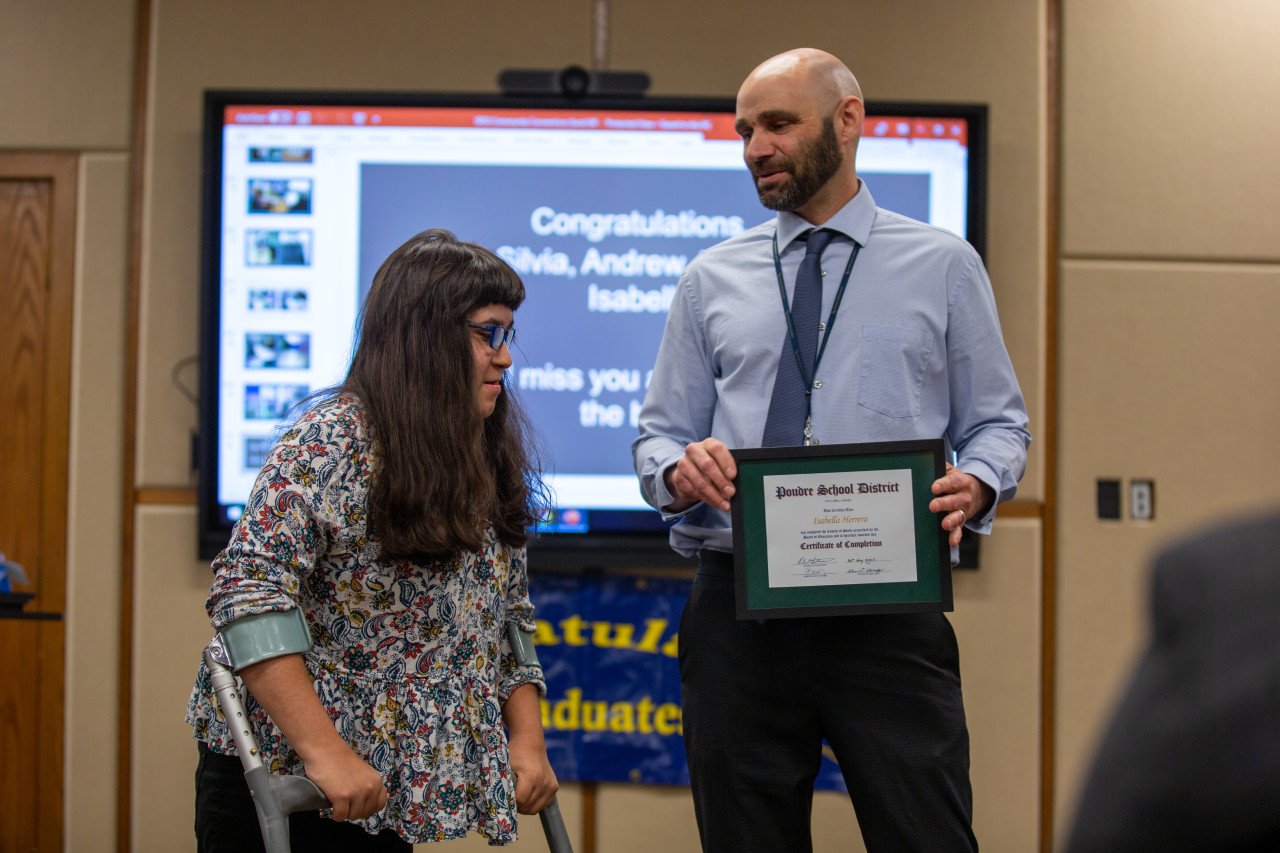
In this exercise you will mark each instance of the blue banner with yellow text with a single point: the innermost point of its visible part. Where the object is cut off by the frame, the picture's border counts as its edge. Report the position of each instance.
(608, 651)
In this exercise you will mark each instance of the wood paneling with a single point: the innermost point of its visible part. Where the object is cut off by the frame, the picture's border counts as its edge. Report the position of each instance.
(19, 764)
(133, 318)
(37, 224)
(24, 239)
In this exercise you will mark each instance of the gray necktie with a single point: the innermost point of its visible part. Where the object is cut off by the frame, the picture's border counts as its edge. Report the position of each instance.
(784, 426)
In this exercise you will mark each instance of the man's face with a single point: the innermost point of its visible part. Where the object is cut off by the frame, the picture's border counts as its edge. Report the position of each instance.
(794, 168)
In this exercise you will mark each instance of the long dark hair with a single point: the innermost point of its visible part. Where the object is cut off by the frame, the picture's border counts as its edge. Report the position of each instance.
(441, 468)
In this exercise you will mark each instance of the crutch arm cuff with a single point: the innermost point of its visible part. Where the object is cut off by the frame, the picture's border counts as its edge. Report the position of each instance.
(522, 645)
(255, 638)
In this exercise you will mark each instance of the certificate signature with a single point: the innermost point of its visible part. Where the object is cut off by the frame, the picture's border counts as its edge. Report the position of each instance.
(866, 566)
(814, 567)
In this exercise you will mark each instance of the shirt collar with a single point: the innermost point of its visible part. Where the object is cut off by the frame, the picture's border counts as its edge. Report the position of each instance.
(854, 220)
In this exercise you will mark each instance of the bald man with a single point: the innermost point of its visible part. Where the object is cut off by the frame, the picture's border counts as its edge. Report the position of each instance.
(915, 353)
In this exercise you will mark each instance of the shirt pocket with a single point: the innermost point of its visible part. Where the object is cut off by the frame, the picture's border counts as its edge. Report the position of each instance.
(893, 363)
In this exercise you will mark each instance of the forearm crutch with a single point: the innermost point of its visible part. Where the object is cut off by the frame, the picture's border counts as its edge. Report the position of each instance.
(552, 822)
(553, 827)
(275, 797)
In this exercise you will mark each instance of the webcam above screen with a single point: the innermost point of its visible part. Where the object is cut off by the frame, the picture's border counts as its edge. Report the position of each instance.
(598, 201)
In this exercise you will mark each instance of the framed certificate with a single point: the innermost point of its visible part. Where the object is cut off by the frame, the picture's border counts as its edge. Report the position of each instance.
(839, 529)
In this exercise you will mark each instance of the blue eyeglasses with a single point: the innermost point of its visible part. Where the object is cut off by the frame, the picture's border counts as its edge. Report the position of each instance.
(498, 335)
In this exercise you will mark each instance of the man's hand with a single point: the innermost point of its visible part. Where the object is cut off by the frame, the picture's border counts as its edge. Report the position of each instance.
(961, 497)
(704, 473)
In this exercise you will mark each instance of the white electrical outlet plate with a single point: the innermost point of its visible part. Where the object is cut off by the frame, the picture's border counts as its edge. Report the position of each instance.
(1142, 500)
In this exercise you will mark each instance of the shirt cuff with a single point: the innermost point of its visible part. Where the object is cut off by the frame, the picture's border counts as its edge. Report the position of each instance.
(983, 473)
(521, 675)
(661, 496)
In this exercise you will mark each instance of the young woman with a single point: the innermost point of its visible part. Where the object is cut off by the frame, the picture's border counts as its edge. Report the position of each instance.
(392, 516)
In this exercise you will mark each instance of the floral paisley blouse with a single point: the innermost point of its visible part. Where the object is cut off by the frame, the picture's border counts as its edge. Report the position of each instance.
(410, 660)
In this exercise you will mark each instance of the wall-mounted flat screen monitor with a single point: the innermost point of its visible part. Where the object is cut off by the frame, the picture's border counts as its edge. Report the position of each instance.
(599, 204)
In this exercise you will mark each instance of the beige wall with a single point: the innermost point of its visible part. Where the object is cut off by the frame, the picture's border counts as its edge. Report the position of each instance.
(1169, 285)
(95, 500)
(67, 67)
(76, 62)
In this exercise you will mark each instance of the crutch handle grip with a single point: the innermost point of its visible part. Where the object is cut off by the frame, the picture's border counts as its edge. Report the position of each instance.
(298, 794)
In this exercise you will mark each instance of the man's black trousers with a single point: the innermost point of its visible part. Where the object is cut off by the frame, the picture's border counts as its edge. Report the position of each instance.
(760, 697)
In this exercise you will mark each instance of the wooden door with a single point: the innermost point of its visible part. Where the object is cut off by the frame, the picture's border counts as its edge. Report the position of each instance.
(37, 195)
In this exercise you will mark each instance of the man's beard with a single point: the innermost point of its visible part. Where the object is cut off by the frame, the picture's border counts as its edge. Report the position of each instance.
(815, 164)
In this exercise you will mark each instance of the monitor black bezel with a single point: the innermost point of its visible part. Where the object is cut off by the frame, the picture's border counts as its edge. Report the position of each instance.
(644, 542)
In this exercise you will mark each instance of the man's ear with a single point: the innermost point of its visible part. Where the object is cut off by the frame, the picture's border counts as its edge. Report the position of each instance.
(849, 115)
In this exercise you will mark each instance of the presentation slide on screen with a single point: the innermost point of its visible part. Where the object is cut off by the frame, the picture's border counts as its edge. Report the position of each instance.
(599, 213)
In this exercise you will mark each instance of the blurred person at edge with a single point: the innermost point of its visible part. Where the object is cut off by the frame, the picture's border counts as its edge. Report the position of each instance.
(1191, 760)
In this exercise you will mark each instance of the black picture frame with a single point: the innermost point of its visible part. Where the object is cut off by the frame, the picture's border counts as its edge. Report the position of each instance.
(758, 599)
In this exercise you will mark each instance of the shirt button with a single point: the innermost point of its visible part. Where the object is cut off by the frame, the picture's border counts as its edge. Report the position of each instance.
(822, 327)
(824, 272)
(817, 383)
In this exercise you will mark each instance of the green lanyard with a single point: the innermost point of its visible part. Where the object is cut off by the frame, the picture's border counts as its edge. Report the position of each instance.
(795, 338)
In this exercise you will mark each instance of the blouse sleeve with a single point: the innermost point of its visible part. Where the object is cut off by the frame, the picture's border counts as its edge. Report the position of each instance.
(520, 613)
(284, 528)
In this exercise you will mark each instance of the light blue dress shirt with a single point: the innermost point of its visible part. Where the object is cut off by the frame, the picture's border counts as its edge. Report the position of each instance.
(915, 352)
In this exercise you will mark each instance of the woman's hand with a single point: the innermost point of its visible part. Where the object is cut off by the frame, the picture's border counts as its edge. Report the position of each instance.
(536, 783)
(283, 687)
(354, 789)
